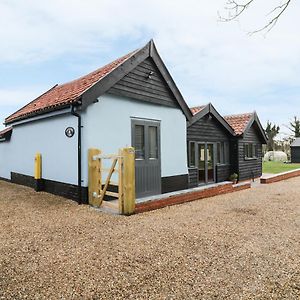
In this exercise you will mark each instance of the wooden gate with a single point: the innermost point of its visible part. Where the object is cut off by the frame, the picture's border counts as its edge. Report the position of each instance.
(101, 183)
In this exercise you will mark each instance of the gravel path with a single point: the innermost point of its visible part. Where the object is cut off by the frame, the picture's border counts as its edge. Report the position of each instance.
(244, 245)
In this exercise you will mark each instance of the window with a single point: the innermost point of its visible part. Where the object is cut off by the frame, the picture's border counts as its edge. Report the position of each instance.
(192, 154)
(256, 150)
(219, 153)
(153, 144)
(227, 149)
(139, 142)
(251, 150)
(222, 153)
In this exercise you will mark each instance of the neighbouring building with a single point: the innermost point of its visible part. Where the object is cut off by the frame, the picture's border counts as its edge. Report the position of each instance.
(295, 151)
(220, 146)
(246, 147)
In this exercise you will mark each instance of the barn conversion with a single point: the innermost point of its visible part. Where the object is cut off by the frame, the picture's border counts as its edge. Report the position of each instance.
(132, 101)
(295, 151)
(246, 146)
(219, 147)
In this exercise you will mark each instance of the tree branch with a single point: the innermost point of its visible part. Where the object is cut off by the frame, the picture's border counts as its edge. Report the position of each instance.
(274, 20)
(236, 9)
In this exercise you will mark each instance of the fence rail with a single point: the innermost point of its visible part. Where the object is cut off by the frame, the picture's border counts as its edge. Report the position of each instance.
(121, 164)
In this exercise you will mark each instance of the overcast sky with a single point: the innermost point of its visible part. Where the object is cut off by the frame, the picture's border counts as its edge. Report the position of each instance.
(49, 42)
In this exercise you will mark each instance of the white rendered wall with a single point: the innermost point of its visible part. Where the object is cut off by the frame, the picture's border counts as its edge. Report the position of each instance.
(47, 136)
(107, 126)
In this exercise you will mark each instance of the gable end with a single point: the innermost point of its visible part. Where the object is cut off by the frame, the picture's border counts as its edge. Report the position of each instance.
(145, 83)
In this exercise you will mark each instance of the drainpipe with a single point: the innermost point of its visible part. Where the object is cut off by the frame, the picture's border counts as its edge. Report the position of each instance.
(78, 116)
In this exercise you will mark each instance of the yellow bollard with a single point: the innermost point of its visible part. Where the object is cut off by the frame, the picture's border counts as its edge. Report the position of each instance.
(38, 166)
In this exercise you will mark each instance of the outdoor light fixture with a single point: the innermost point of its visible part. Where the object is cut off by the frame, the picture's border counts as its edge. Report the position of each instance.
(150, 74)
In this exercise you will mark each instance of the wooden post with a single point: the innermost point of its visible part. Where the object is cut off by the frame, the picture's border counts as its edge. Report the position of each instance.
(38, 166)
(128, 180)
(120, 182)
(94, 181)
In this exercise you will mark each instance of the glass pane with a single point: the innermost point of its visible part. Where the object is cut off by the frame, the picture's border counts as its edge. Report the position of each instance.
(201, 163)
(153, 144)
(210, 162)
(226, 153)
(250, 150)
(139, 141)
(222, 153)
(246, 147)
(218, 153)
(192, 155)
(256, 150)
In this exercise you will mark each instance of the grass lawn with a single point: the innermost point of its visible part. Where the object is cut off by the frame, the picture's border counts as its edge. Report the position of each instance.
(278, 167)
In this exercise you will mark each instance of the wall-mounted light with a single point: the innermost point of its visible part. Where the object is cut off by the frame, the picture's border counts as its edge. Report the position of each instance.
(150, 75)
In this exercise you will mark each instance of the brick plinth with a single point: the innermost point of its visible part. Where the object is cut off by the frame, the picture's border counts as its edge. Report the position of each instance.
(280, 176)
(188, 196)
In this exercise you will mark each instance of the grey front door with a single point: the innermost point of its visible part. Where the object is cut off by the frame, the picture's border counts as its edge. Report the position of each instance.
(146, 142)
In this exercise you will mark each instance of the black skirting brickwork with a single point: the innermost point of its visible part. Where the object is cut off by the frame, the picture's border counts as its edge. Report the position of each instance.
(174, 183)
(66, 190)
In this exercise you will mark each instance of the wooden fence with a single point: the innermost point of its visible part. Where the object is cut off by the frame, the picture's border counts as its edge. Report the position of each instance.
(100, 180)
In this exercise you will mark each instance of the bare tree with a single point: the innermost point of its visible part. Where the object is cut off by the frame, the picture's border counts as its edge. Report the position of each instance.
(236, 8)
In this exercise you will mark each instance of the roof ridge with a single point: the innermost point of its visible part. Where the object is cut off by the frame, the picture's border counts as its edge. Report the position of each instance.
(239, 115)
(199, 105)
(127, 56)
(56, 96)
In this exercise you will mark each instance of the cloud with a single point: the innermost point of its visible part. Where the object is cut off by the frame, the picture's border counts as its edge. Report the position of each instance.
(12, 99)
(209, 60)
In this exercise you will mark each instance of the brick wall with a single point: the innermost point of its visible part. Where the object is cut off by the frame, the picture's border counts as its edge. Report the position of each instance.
(190, 196)
(279, 177)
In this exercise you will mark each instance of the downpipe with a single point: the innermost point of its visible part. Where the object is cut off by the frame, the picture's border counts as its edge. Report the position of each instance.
(78, 116)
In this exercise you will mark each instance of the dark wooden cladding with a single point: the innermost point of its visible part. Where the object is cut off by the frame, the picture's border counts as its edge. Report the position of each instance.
(223, 172)
(250, 168)
(193, 177)
(295, 154)
(137, 85)
(207, 129)
(174, 183)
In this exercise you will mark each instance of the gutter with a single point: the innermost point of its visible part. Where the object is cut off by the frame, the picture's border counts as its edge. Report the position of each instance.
(78, 116)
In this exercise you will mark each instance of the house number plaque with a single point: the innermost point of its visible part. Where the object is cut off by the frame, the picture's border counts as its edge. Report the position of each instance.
(69, 132)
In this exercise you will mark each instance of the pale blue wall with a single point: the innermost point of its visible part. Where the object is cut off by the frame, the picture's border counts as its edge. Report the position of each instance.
(107, 126)
(47, 136)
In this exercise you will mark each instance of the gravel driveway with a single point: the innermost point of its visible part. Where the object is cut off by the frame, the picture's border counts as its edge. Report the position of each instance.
(244, 245)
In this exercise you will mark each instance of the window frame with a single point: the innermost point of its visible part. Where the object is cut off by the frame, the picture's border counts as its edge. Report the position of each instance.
(146, 123)
(224, 155)
(149, 142)
(190, 156)
(251, 151)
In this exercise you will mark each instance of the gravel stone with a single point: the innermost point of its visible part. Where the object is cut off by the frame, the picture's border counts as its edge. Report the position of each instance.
(244, 245)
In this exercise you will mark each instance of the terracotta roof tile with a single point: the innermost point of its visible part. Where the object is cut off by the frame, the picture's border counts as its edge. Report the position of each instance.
(68, 93)
(197, 109)
(239, 122)
(4, 131)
